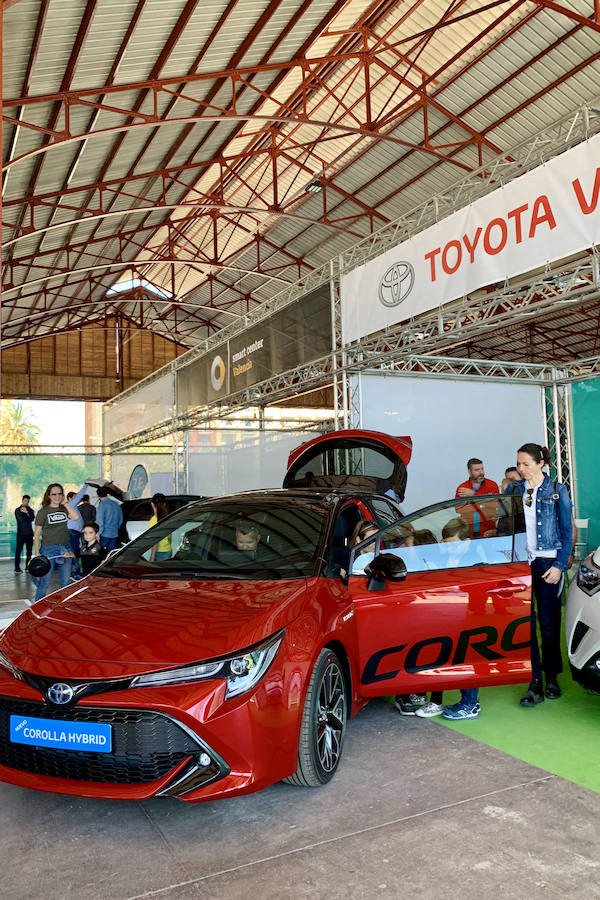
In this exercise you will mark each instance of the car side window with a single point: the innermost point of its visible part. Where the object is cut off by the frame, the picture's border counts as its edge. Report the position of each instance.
(385, 513)
(141, 512)
(459, 534)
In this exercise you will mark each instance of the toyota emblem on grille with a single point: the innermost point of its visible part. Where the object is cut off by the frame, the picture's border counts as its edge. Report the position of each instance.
(396, 284)
(60, 693)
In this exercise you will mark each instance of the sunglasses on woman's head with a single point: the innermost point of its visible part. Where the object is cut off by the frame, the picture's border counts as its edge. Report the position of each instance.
(528, 498)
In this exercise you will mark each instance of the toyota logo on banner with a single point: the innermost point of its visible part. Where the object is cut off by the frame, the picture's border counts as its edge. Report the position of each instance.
(396, 284)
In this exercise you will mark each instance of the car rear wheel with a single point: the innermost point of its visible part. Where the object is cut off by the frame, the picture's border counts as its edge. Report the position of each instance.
(323, 723)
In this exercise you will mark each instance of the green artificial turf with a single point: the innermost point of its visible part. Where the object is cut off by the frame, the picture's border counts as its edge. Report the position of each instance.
(561, 736)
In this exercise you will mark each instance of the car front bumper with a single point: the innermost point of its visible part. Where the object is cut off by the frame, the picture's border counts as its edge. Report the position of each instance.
(181, 741)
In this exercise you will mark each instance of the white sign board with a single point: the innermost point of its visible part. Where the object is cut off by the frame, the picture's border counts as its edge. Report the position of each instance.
(449, 422)
(542, 216)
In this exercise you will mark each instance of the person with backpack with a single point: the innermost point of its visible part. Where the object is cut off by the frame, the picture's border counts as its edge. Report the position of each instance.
(548, 526)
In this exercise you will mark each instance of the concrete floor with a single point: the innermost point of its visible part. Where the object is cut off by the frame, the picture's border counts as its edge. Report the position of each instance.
(415, 810)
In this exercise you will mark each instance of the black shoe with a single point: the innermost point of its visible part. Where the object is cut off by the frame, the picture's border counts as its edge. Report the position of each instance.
(553, 691)
(535, 694)
(404, 705)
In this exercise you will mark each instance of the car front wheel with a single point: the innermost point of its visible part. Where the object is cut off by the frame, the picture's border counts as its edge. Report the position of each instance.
(323, 723)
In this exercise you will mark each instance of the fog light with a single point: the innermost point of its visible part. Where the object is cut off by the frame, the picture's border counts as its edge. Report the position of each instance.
(204, 759)
(597, 663)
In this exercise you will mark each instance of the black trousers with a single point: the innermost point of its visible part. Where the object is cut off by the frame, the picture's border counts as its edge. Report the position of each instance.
(23, 540)
(547, 599)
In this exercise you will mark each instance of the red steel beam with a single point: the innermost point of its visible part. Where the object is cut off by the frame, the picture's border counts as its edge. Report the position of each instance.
(84, 27)
(337, 5)
(565, 76)
(291, 101)
(385, 172)
(591, 21)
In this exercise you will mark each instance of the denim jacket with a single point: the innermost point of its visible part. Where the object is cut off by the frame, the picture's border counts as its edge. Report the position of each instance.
(554, 528)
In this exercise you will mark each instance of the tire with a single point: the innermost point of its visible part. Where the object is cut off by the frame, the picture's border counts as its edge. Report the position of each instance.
(323, 723)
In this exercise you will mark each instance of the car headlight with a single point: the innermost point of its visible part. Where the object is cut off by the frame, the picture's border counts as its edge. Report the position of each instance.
(588, 577)
(6, 664)
(241, 671)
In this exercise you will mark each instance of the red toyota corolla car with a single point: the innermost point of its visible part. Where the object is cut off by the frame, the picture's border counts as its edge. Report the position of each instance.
(226, 648)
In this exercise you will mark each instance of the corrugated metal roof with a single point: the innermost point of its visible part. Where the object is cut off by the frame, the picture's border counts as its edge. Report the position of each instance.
(485, 78)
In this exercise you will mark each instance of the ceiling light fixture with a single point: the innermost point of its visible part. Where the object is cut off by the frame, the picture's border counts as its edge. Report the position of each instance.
(314, 187)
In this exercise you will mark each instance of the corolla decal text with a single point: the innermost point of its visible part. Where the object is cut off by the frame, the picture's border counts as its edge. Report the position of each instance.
(434, 652)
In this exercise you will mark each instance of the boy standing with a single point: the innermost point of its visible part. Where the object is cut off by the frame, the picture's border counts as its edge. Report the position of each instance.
(92, 552)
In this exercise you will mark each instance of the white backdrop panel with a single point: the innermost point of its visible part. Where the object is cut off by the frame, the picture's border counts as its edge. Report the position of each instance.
(450, 421)
(145, 407)
(235, 460)
(159, 467)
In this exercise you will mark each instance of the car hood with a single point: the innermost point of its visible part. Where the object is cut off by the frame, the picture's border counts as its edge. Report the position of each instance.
(108, 628)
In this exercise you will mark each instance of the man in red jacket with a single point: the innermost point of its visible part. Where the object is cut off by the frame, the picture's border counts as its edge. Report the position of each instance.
(476, 483)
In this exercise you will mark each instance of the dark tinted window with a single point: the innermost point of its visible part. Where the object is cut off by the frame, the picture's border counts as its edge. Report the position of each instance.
(141, 512)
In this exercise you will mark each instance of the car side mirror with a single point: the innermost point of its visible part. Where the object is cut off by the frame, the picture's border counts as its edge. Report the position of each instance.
(385, 567)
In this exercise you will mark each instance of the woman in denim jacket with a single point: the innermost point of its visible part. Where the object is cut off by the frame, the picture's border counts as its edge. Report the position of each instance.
(548, 518)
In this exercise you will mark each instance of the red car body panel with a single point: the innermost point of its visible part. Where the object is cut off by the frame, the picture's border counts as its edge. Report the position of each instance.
(409, 631)
(151, 626)
(360, 623)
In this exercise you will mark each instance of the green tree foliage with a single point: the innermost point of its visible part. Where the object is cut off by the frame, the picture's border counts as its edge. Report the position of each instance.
(16, 428)
(35, 473)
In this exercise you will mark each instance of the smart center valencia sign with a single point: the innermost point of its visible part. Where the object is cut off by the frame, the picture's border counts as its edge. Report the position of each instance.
(540, 217)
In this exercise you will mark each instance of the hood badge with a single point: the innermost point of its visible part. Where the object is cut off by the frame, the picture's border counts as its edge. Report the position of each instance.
(60, 693)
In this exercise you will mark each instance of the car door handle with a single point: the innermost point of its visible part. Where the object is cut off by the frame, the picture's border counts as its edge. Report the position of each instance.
(506, 588)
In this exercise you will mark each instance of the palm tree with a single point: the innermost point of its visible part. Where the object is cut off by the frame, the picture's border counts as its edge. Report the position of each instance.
(17, 430)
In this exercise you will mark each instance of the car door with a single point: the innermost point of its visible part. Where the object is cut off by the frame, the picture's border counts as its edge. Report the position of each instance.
(461, 616)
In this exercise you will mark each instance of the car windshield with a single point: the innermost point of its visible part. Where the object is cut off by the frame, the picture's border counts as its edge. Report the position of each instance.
(254, 539)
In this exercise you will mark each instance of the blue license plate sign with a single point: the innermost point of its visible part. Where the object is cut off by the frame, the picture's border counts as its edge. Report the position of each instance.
(91, 736)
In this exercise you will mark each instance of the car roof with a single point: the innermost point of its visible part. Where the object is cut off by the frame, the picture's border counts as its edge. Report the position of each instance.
(326, 496)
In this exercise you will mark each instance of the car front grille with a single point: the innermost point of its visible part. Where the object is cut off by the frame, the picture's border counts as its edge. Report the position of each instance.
(146, 745)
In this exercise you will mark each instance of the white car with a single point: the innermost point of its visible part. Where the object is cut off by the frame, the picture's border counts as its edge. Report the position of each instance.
(582, 623)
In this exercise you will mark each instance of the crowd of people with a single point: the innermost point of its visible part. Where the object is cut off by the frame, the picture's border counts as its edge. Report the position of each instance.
(69, 532)
(72, 534)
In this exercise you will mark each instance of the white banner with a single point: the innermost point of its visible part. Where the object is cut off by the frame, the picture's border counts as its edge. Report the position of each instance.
(545, 215)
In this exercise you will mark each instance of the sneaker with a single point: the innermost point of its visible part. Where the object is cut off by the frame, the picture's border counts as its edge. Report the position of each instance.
(18, 571)
(429, 710)
(418, 699)
(404, 706)
(458, 711)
